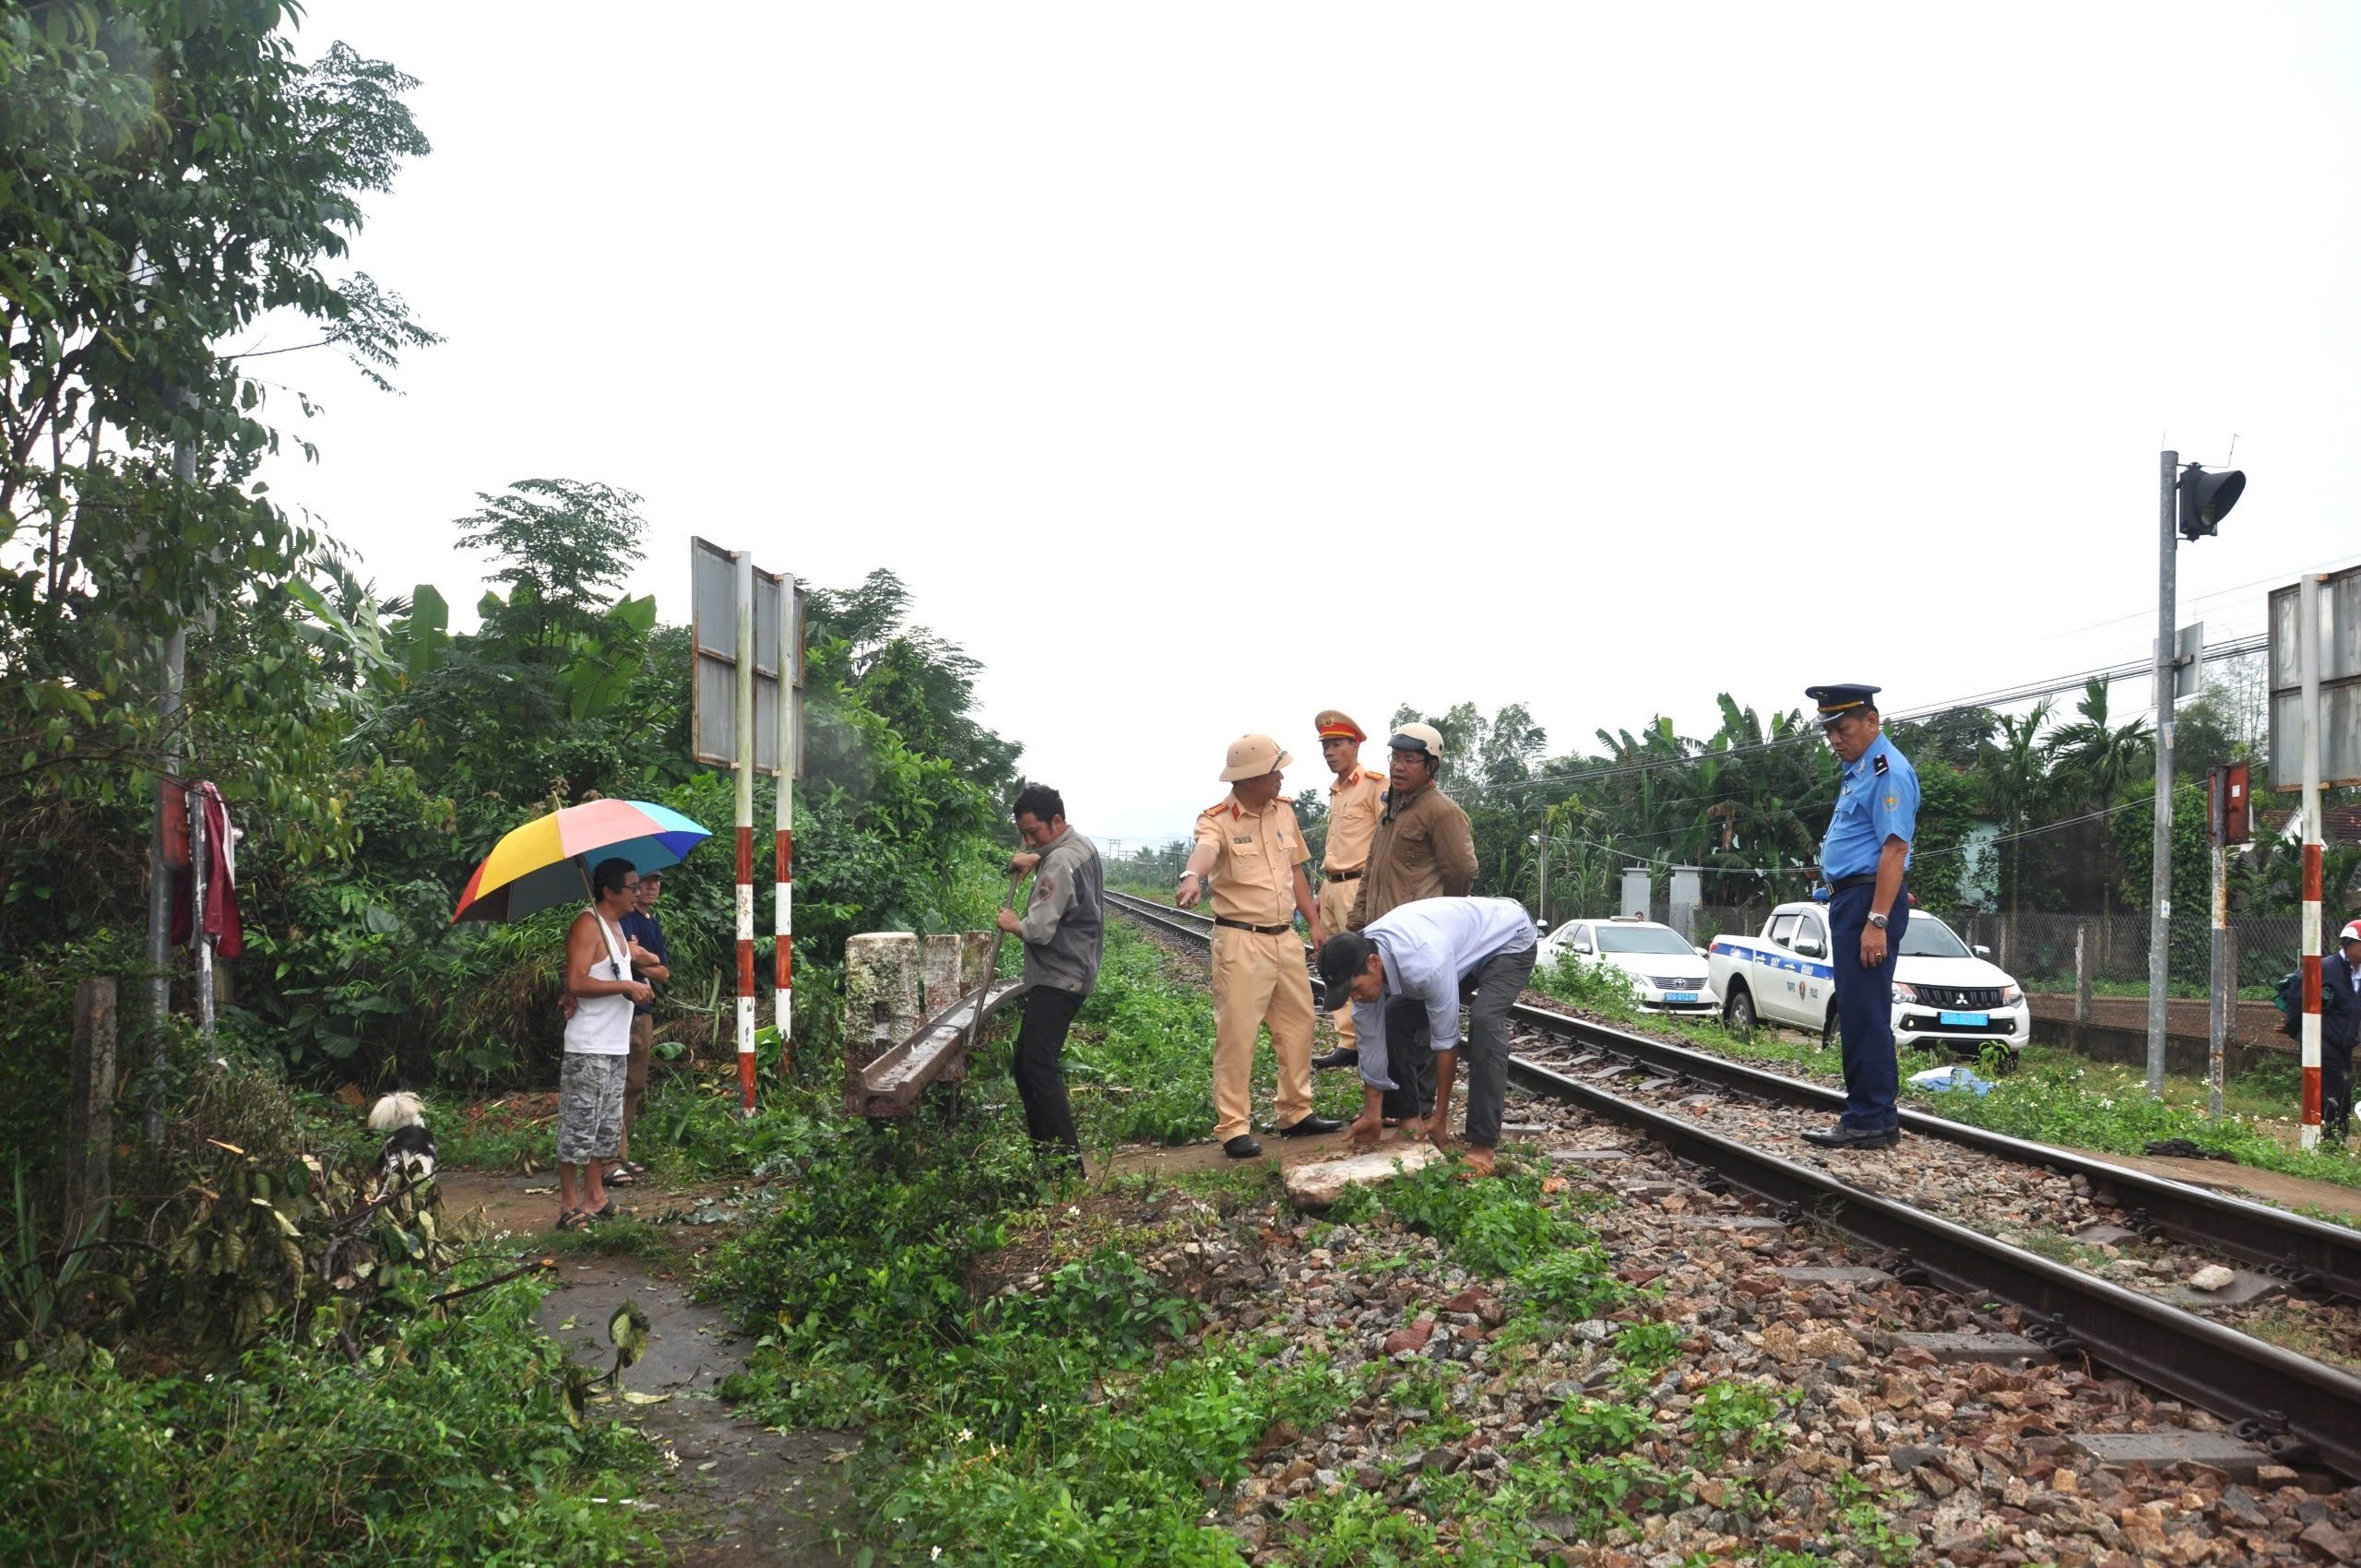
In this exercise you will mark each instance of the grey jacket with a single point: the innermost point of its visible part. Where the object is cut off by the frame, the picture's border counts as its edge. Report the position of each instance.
(1065, 924)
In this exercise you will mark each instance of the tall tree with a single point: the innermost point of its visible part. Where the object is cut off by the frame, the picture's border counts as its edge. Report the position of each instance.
(2093, 762)
(560, 546)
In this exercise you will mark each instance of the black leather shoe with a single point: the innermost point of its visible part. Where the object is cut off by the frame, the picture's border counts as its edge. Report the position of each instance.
(1841, 1136)
(1337, 1058)
(1241, 1147)
(1312, 1127)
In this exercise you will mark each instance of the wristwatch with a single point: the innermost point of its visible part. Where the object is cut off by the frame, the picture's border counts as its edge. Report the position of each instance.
(1878, 921)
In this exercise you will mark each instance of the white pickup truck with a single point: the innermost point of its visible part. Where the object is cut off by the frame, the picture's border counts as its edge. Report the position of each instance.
(1944, 996)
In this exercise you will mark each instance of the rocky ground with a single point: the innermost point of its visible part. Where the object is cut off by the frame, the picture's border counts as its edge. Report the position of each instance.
(2062, 1217)
(1876, 1453)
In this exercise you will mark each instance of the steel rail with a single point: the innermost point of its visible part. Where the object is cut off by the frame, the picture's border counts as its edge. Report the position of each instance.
(2295, 1407)
(2308, 1254)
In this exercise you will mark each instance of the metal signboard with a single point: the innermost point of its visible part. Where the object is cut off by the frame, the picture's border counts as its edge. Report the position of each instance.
(2230, 803)
(2188, 662)
(713, 633)
(2339, 681)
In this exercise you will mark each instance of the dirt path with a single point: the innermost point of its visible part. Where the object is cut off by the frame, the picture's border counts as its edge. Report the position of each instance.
(2272, 1186)
(740, 1493)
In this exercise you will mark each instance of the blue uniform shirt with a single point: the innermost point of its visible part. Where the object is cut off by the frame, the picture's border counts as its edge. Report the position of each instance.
(1879, 800)
(643, 929)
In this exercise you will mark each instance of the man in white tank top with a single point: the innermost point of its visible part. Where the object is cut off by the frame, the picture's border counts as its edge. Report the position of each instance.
(597, 1044)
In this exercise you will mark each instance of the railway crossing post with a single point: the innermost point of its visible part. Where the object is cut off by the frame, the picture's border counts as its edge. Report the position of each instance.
(2315, 680)
(746, 629)
(2308, 643)
(2189, 507)
(2160, 911)
(742, 749)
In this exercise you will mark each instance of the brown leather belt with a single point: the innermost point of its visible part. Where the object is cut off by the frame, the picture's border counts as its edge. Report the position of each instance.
(1257, 930)
(1341, 875)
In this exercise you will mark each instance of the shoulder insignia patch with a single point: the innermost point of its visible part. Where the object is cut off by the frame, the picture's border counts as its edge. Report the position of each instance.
(1882, 763)
(1890, 801)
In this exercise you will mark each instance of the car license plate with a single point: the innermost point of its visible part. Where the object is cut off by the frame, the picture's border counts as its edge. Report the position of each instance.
(1967, 1020)
(1680, 997)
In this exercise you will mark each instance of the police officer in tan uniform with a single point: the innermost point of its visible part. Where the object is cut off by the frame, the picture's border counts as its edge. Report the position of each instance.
(1250, 847)
(1355, 799)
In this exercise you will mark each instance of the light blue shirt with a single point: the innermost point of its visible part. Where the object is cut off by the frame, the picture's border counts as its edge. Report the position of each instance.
(1878, 801)
(1428, 947)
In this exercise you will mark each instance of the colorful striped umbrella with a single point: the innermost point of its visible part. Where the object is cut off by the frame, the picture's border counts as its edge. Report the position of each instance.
(547, 861)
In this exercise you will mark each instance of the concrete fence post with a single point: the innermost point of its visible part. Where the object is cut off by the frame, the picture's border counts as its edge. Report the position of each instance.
(884, 996)
(90, 1112)
(944, 970)
(2082, 972)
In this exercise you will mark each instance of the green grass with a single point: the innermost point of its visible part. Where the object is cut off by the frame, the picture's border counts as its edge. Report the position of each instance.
(1139, 1061)
(449, 1443)
(2053, 1097)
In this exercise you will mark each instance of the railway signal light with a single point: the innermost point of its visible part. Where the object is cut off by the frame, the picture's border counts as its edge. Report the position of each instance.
(2206, 499)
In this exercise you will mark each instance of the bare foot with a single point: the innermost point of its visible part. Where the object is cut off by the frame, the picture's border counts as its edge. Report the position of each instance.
(1364, 1132)
(1478, 1162)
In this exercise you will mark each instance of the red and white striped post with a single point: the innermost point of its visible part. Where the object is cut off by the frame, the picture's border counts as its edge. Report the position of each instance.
(2307, 644)
(744, 751)
(790, 657)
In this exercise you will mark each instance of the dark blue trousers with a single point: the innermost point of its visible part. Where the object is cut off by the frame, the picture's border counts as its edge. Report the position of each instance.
(1864, 1007)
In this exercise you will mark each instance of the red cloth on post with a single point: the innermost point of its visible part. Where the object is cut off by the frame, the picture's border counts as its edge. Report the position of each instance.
(222, 922)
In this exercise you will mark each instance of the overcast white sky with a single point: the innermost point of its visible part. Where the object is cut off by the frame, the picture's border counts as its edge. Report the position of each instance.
(1202, 366)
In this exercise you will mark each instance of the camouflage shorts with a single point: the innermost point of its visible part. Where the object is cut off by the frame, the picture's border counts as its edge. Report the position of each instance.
(590, 1107)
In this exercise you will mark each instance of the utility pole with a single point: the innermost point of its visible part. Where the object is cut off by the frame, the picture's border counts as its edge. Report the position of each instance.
(159, 872)
(2160, 915)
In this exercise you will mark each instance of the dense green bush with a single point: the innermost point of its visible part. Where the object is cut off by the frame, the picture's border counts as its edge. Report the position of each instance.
(449, 1443)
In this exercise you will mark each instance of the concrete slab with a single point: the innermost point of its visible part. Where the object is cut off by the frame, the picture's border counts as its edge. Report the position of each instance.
(1702, 1099)
(1652, 1084)
(1315, 1187)
(1846, 1274)
(2103, 1234)
(1588, 1156)
(1956, 1348)
(2214, 1450)
(1524, 1129)
(2244, 1286)
(1600, 1075)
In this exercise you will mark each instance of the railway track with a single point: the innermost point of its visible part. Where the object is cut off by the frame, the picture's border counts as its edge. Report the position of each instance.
(2295, 1407)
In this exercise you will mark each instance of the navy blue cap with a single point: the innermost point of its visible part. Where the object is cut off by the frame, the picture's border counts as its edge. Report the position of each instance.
(1835, 702)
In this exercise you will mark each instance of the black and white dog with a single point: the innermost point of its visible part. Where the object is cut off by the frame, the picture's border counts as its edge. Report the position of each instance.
(407, 1157)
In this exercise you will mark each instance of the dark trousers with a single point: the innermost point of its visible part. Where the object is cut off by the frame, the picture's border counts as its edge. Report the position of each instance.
(1864, 1007)
(1410, 1058)
(1490, 991)
(2336, 1089)
(1041, 1081)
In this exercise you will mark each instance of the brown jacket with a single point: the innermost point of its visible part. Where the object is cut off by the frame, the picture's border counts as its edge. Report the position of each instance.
(1424, 849)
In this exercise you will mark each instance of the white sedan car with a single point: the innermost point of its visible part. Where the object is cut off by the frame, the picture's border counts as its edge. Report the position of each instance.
(1666, 972)
(1945, 996)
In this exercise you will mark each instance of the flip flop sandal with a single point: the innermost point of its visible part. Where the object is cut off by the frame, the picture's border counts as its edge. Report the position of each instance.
(619, 1176)
(634, 1167)
(572, 1219)
(606, 1213)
